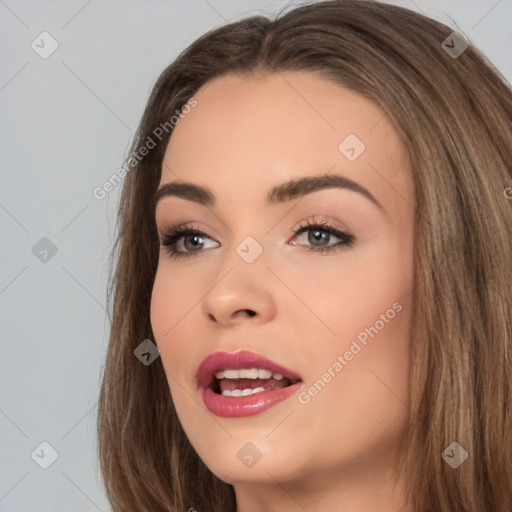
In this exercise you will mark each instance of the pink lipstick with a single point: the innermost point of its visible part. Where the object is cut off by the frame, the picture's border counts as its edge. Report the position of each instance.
(242, 383)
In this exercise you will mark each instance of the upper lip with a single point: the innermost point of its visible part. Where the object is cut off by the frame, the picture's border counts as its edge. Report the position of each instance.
(217, 361)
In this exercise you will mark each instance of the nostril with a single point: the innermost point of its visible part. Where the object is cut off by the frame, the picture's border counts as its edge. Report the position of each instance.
(244, 312)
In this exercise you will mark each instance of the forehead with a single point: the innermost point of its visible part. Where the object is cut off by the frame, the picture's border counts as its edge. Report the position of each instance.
(248, 133)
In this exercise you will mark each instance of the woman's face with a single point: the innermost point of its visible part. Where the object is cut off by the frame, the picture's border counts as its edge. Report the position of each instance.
(334, 323)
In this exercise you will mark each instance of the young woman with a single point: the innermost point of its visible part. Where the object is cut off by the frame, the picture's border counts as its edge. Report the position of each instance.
(315, 230)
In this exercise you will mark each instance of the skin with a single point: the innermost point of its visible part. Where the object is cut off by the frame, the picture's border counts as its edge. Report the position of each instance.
(247, 134)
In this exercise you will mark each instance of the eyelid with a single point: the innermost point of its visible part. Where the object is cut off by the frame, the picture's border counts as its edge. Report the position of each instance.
(180, 230)
(325, 221)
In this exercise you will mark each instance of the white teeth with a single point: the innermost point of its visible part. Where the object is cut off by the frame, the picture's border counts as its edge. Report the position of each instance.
(248, 373)
(239, 392)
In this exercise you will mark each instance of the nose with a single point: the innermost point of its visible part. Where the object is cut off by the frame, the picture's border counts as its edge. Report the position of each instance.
(240, 296)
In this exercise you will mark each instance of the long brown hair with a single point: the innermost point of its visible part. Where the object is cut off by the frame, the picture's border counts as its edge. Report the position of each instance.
(454, 115)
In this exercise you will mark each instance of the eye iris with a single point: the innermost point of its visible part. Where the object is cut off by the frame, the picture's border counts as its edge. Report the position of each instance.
(319, 235)
(196, 243)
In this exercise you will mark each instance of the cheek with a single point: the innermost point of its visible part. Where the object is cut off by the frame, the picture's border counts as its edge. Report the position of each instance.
(381, 277)
(374, 327)
(367, 305)
(169, 323)
(173, 296)
(360, 398)
(169, 305)
(175, 312)
(349, 294)
(162, 303)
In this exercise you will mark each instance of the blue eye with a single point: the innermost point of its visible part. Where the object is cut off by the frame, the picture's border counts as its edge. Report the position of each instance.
(315, 234)
(172, 236)
(192, 240)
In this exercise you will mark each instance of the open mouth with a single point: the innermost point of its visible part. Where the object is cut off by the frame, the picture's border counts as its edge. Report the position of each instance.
(248, 381)
(241, 383)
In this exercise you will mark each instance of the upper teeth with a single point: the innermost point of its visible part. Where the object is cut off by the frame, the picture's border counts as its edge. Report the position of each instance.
(248, 373)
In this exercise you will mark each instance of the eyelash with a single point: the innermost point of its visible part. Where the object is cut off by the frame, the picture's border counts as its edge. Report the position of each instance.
(172, 234)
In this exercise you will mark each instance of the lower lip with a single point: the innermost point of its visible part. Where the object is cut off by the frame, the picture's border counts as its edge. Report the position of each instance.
(241, 406)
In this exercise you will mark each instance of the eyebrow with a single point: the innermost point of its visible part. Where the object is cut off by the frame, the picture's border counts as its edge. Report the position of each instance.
(279, 194)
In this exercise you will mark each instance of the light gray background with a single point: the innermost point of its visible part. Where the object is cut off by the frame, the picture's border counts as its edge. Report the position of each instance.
(66, 125)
